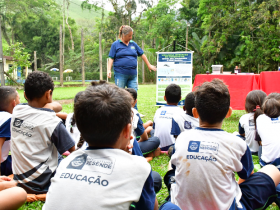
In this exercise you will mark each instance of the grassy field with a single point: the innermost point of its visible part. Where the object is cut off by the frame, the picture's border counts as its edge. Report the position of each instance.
(146, 106)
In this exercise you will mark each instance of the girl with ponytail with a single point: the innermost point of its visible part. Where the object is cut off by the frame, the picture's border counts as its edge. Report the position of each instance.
(267, 118)
(71, 127)
(246, 123)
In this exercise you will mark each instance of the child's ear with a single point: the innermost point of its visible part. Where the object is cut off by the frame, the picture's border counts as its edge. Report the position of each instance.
(195, 113)
(14, 103)
(165, 98)
(48, 95)
(229, 112)
(184, 108)
(25, 96)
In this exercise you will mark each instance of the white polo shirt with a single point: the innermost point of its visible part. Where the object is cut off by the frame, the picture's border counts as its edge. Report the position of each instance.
(205, 161)
(100, 179)
(5, 132)
(182, 122)
(269, 132)
(163, 124)
(247, 126)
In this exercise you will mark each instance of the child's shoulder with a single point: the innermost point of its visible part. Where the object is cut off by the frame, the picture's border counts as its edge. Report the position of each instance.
(5, 115)
(247, 116)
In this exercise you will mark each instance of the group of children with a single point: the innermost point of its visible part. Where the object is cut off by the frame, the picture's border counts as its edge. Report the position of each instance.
(106, 140)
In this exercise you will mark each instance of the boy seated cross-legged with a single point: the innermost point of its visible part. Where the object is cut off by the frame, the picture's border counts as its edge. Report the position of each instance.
(9, 98)
(110, 176)
(38, 136)
(206, 158)
(163, 116)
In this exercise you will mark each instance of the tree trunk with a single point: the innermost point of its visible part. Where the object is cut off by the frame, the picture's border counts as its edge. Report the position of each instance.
(70, 32)
(83, 57)
(60, 57)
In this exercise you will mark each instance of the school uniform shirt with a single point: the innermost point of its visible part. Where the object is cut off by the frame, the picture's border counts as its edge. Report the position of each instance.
(102, 179)
(247, 127)
(205, 161)
(76, 135)
(163, 124)
(269, 131)
(5, 132)
(125, 57)
(182, 122)
(37, 137)
(137, 124)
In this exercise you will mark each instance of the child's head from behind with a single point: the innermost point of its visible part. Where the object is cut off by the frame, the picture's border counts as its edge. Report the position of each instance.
(37, 85)
(270, 106)
(212, 101)
(103, 114)
(253, 99)
(9, 98)
(133, 94)
(189, 103)
(172, 94)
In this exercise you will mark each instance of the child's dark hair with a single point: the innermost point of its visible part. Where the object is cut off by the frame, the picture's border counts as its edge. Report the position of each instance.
(189, 103)
(270, 107)
(36, 84)
(173, 93)
(101, 113)
(132, 92)
(253, 99)
(73, 122)
(7, 94)
(212, 101)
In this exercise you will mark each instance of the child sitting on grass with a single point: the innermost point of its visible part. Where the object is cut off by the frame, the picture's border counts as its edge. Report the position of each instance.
(246, 123)
(73, 130)
(9, 99)
(11, 196)
(184, 121)
(267, 119)
(163, 116)
(147, 145)
(37, 136)
(105, 171)
(207, 157)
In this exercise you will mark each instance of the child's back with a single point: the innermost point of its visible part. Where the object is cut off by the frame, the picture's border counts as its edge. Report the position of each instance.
(246, 126)
(163, 116)
(185, 121)
(37, 136)
(206, 159)
(105, 175)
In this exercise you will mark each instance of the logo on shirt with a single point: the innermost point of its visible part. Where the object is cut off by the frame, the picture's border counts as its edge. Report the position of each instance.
(274, 119)
(78, 162)
(187, 125)
(203, 147)
(194, 146)
(163, 113)
(132, 47)
(251, 122)
(17, 123)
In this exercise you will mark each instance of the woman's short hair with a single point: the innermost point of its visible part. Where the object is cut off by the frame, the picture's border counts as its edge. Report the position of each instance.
(124, 30)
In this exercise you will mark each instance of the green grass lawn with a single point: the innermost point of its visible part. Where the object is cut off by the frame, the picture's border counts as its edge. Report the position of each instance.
(146, 106)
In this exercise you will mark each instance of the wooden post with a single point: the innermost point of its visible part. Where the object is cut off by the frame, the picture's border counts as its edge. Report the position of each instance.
(143, 65)
(107, 67)
(60, 57)
(63, 29)
(35, 61)
(1, 65)
(100, 56)
(83, 57)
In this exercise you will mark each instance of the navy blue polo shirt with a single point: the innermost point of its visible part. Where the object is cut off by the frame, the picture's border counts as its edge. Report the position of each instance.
(125, 57)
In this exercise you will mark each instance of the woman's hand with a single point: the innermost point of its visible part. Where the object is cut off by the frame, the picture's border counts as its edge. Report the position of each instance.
(109, 74)
(151, 67)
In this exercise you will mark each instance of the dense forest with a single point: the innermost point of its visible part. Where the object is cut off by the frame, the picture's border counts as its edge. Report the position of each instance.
(228, 32)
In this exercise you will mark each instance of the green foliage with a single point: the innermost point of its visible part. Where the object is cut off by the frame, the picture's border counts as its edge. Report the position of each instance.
(20, 55)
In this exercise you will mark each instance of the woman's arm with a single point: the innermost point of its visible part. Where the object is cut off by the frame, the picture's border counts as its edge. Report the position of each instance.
(110, 64)
(150, 67)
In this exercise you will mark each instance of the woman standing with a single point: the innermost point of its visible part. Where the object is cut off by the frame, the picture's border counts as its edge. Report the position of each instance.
(123, 56)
